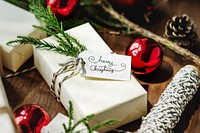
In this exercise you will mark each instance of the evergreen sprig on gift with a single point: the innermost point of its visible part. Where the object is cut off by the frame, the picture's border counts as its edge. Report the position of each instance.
(67, 44)
(70, 128)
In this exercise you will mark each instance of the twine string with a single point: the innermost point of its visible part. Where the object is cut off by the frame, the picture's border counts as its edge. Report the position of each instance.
(18, 73)
(73, 64)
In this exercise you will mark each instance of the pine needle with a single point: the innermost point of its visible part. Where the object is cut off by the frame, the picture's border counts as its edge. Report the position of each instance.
(103, 124)
(67, 44)
(71, 126)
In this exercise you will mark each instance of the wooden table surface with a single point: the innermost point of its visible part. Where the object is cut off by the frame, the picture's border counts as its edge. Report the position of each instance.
(30, 87)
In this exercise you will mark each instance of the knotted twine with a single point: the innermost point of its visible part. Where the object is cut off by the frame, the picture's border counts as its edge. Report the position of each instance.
(166, 113)
(76, 65)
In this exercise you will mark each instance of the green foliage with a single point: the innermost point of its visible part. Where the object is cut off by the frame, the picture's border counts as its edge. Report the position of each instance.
(70, 128)
(67, 44)
(87, 11)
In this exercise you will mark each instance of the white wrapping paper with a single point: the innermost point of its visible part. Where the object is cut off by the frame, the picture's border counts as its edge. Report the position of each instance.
(7, 124)
(14, 22)
(56, 125)
(107, 99)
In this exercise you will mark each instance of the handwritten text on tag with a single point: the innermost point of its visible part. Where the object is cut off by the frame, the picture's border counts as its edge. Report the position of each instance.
(108, 66)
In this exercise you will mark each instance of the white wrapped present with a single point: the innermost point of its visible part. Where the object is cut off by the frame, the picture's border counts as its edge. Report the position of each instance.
(124, 101)
(7, 124)
(15, 21)
(56, 125)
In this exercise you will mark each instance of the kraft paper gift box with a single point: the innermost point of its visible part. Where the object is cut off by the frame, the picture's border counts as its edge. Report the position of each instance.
(14, 22)
(125, 101)
(7, 124)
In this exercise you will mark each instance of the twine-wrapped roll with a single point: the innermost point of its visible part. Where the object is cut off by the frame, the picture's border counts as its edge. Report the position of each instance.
(166, 113)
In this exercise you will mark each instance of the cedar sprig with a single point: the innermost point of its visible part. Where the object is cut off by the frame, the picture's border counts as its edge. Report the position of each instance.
(100, 125)
(71, 127)
(42, 44)
(67, 44)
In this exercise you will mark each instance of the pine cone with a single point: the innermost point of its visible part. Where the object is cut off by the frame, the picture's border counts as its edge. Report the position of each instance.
(182, 30)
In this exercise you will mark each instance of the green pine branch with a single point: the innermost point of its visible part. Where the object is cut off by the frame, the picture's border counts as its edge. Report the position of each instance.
(42, 44)
(67, 44)
(71, 127)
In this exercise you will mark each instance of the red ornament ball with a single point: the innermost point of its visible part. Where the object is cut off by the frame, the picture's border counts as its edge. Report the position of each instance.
(31, 118)
(62, 8)
(146, 55)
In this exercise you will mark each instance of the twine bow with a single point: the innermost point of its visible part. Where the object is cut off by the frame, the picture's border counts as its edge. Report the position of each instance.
(76, 65)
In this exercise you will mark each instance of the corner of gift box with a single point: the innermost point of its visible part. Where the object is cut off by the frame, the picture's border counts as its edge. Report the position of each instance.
(55, 126)
(7, 123)
(15, 21)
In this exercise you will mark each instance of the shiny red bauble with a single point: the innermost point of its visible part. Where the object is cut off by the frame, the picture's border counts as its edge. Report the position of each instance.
(62, 8)
(31, 118)
(146, 55)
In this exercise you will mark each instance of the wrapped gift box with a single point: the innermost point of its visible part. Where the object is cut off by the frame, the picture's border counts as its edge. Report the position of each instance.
(7, 124)
(107, 99)
(15, 21)
(56, 125)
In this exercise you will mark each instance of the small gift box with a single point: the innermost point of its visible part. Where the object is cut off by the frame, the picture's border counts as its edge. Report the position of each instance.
(7, 124)
(56, 125)
(124, 101)
(15, 21)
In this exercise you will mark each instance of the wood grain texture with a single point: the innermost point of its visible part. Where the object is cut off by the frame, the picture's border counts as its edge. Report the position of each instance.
(30, 87)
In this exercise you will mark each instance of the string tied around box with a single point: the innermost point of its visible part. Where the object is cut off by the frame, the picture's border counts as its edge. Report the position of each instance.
(75, 65)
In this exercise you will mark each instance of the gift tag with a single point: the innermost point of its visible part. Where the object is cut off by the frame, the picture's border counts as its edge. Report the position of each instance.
(107, 66)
